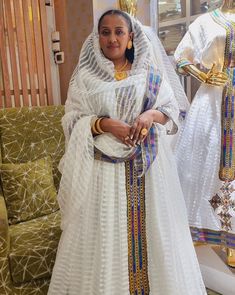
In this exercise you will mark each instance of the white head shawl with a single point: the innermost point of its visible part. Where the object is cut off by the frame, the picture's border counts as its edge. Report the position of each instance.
(94, 70)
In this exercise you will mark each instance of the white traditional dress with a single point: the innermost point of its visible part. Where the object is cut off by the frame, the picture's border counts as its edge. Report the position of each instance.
(205, 149)
(124, 221)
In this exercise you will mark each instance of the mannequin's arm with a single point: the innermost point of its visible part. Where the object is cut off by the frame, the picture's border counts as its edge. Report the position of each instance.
(212, 77)
(195, 72)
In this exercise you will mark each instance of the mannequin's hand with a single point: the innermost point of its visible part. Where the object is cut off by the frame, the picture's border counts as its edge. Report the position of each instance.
(216, 78)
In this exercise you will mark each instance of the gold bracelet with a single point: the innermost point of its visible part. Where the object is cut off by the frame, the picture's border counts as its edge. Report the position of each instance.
(97, 125)
(94, 131)
(93, 128)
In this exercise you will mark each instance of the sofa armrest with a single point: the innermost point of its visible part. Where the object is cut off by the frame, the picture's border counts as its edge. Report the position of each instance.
(4, 229)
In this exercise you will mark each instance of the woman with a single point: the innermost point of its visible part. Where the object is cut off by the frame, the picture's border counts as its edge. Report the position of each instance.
(124, 222)
(205, 149)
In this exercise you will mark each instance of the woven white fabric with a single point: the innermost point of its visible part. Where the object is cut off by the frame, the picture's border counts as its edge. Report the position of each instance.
(165, 66)
(92, 257)
(199, 143)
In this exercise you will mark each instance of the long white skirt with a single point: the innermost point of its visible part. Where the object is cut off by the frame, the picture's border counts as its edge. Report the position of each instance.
(99, 266)
(198, 159)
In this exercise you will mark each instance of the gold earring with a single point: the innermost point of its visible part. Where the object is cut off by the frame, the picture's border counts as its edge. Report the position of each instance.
(129, 44)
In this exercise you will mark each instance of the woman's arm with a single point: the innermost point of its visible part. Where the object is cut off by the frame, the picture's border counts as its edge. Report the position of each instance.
(119, 129)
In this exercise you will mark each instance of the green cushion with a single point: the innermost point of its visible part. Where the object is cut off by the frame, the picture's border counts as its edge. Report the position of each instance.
(28, 189)
(32, 133)
(33, 247)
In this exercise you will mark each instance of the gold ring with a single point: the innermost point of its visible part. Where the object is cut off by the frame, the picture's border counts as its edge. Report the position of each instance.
(144, 131)
(126, 138)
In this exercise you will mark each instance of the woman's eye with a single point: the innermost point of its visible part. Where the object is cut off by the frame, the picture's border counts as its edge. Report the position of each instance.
(104, 33)
(119, 32)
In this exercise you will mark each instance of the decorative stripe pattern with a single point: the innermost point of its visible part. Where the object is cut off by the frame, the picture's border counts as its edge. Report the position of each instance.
(205, 235)
(227, 159)
(224, 204)
(154, 82)
(148, 152)
(182, 62)
(137, 244)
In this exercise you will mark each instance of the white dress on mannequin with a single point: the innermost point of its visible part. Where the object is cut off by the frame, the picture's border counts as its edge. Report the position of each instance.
(203, 152)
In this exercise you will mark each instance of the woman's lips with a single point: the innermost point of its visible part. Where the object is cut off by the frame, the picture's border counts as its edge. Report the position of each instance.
(113, 47)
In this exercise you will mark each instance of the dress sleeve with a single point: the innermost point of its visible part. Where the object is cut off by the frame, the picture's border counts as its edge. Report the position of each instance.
(189, 50)
(167, 104)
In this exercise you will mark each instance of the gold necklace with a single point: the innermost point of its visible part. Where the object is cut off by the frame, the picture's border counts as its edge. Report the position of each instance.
(120, 74)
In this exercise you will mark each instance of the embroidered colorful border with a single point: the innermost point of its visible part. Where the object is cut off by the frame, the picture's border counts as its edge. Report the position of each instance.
(148, 151)
(137, 243)
(227, 159)
(213, 237)
(181, 63)
(154, 81)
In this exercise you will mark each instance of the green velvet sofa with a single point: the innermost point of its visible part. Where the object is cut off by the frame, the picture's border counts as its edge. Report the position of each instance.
(31, 145)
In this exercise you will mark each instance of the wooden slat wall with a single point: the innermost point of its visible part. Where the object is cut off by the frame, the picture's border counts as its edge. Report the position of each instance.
(46, 49)
(20, 32)
(39, 52)
(12, 48)
(24, 54)
(30, 49)
(6, 93)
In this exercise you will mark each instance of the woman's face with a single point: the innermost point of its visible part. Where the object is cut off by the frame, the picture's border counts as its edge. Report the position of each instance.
(114, 36)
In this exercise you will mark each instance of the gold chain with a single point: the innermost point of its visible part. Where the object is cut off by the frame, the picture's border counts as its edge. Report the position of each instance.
(119, 74)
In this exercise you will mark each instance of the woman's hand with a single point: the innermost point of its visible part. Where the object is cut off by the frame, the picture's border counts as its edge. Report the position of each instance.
(118, 128)
(141, 127)
(143, 123)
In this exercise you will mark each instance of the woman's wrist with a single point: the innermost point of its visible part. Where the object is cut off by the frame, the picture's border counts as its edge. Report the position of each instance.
(158, 117)
(106, 124)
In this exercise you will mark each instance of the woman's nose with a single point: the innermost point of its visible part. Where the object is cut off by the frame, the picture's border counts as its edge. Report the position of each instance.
(112, 38)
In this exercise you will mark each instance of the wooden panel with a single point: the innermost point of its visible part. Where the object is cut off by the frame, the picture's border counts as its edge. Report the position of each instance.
(30, 49)
(12, 47)
(21, 92)
(6, 78)
(39, 50)
(46, 51)
(24, 54)
(22, 50)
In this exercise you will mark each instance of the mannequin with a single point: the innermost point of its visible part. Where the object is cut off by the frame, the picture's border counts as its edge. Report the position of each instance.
(129, 6)
(205, 150)
(228, 6)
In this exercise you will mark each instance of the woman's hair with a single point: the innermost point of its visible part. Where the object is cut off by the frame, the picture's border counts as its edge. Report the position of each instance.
(129, 52)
